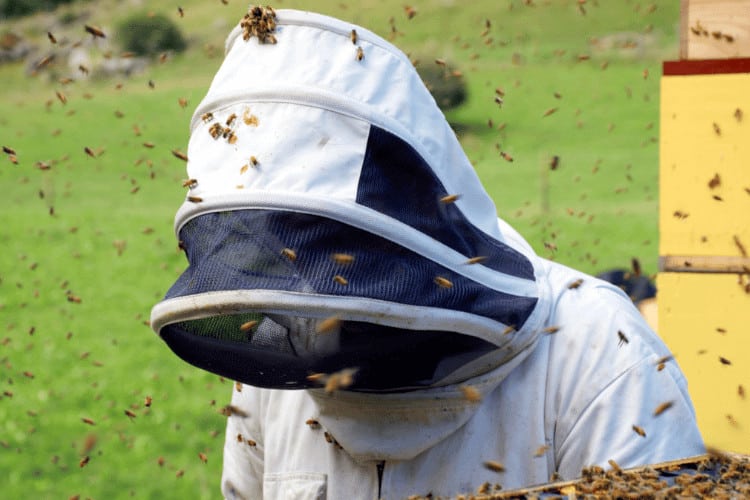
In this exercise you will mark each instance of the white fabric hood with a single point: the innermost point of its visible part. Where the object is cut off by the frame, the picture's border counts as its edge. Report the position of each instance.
(326, 185)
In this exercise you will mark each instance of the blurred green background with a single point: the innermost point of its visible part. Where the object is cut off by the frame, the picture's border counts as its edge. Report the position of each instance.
(86, 239)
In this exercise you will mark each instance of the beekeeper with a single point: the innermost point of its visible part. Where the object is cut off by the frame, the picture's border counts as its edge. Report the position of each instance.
(389, 335)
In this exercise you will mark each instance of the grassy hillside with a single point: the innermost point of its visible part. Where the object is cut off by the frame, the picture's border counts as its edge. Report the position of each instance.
(88, 246)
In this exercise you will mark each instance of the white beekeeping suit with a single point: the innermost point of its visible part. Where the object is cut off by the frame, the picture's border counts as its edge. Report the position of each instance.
(391, 335)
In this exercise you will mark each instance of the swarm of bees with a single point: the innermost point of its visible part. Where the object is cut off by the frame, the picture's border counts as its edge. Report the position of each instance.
(259, 22)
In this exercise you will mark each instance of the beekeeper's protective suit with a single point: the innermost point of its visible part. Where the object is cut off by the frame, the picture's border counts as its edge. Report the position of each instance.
(341, 244)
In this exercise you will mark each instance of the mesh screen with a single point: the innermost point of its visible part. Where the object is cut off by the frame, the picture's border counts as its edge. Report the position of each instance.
(385, 359)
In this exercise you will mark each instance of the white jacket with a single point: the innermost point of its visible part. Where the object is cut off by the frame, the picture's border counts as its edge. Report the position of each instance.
(325, 142)
(573, 402)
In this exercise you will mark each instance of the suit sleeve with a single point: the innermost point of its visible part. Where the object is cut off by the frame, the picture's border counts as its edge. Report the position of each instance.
(612, 400)
(242, 474)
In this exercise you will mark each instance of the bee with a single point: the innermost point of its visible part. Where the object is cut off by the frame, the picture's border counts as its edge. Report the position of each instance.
(251, 443)
(550, 111)
(231, 410)
(442, 282)
(9, 151)
(180, 155)
(88, 421)
(717, 129)
(360, 54)
(231, 119)
(82, 463)
(660, 363)
(249, 119)
(506, 156)
(541, 451)
(499, 101)
(95, 32)
(147, 401)
(314, 424)
(151, 84)
(551, 329)
(194, 199)
(289, 254)
(450, 198)
(476, 260)
(342, 258)
(739, 245)
(353, 36)
(554, 162)
(741, 391)
(254, 161)
(410, 11)
(190, 183)
(639, 431)
(203, 457)
(89, 152)
(130, 414)
(680, 214)
(63, 99)
(232, 139)
(575, 284)
(181, 11)
(663, 407)
(340, 380)
(248, 325)
(622, 337)
(340, 280)
(470, 393)
(440, 62)
(724, 361)
(149, 145)
(207, 117)
(317, 378)
(182, 102)
(509, 329)
(721, 330)
(328, 324)
(179, 473)
(738, 114)
(615, 466)
(494, 466)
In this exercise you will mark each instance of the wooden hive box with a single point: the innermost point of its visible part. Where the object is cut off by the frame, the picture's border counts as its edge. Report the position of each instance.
(704, 216)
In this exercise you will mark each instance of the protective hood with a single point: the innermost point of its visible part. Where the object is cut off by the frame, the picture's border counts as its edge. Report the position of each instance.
(336, 233)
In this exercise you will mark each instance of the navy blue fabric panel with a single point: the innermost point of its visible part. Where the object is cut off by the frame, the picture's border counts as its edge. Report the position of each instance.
(396, 181)
(242, 250)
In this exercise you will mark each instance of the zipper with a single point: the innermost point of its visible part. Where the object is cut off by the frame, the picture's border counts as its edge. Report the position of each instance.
(380, 466)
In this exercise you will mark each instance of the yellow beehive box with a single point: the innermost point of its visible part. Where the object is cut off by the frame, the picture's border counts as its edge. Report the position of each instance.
(704, 224)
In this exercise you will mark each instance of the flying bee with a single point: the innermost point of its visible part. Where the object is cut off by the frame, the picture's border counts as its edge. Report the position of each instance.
(203, 457)
(476, 260)
(179, 473)
(179, 155)
(248, 325)
(8, 150)
(575, 284)
(509, 329)
(194, 199)
(181, 11)
(450, 198)
(724, 361)
(541, 451)
(63, 99)
(88, 421)
(82, 463)
(289, 254)
(506, 156)
(340, 380)
(494, 466)
(147, 401)
(443, 282)
(89, 152)
(717, 129)
(622, 337)
(318, 378)
(94, 31)
(314, 424)
(328, 325)
(342, 258)
(360, 54)
(130, 414)
(551, 329)
(410, 11)
(353, 36)
(340, 280)
(190, 183)
(233, 411)
(663, 407)
(639, 431)
(550, 111)
(470, 393)
(51, 37)
(151, 84)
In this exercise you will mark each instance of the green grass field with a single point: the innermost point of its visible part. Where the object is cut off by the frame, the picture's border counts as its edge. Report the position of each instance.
(100, 229)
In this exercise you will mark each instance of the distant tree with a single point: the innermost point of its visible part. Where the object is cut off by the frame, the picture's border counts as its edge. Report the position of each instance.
(445, 84)
(149, 35)
(18, 8)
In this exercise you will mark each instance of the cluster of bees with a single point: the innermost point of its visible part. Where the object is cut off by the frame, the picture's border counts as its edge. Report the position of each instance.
(259, 22)
(699, 30)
